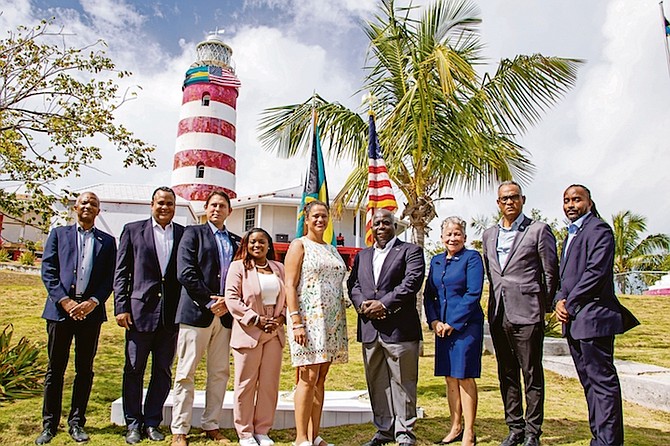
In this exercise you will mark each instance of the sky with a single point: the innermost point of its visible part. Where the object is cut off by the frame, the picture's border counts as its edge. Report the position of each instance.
(608, 132)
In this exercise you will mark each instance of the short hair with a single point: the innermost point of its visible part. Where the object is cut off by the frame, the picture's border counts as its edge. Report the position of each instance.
(243, 251)
(308, 207)
(511, 183)
(220, 193)
(594, 211)
(454, 220)
(88, 192)
(163, 189)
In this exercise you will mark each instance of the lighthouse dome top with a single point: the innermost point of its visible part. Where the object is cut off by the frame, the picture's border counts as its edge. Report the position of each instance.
(213, 51)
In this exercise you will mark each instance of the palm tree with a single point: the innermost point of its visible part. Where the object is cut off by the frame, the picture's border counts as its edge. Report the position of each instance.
(630, 252)
(441, 123)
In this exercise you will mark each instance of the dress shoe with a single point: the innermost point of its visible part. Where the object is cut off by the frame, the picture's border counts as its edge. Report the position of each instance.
(458, 437)
(513, 439)
(215, 435)
(133, 436)
(46, 436)
(179, 440)
(154, 434)
(377, 442)
(531, 440)
(78, 434)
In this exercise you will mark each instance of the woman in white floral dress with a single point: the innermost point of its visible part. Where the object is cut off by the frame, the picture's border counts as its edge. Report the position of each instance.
(317, 319)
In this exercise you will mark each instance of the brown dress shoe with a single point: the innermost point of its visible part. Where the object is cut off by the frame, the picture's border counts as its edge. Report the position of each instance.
(179, 440)
(215, 435)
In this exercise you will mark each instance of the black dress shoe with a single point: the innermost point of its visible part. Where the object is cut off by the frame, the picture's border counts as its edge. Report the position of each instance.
(531, 440)
(133, 436)
(513, 439)
(78, 434)
(377, 442)
(154, 434)
(46, 436)
(458, 437)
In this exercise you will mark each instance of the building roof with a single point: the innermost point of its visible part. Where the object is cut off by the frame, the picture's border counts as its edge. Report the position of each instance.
(125, 193)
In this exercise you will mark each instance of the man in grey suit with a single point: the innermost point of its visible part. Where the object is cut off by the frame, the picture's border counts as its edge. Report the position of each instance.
(522, 269)
(383, 285)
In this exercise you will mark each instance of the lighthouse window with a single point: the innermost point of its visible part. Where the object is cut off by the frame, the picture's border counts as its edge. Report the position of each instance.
(249, 218)
(205, 100)
(200, 170)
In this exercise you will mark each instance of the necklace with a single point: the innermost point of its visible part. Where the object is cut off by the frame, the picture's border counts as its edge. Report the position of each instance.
(262, 266)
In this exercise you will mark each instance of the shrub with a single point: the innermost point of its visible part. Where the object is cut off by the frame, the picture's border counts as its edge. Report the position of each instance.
(27, 258)
(4, 255)
(552, 327)
(21, 374)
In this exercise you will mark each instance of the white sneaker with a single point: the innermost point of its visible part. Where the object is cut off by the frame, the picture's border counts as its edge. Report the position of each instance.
(318, 441)
(263, 440)
(251, 441)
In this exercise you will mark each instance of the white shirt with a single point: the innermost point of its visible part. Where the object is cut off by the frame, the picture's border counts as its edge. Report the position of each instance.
(379, 256)
(269, 288)
(163, 242)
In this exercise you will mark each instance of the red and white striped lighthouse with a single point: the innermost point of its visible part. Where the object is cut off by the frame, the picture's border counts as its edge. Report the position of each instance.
(204, 158)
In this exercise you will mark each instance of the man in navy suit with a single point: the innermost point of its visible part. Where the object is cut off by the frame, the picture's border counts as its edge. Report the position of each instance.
(146, 294)
(591, 313)
(203, 257)
(77, 271)
(383, 285)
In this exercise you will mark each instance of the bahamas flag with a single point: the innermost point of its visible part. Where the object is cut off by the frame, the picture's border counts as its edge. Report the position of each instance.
(315, 186)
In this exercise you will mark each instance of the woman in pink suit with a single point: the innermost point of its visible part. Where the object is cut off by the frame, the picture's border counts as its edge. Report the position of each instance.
(255, 297)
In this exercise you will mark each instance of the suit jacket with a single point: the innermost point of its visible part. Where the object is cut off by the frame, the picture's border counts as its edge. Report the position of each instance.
(527, 283)
(587, 284)
(456, 302)
(59, 271)
(245, 302)
(401, 277)
(140, 288)
(199, 272)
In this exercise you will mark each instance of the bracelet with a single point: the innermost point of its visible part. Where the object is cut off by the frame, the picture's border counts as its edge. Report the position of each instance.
(294, 313)
(299, 326)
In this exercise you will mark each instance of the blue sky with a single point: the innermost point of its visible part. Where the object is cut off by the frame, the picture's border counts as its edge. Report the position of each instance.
(609, 132)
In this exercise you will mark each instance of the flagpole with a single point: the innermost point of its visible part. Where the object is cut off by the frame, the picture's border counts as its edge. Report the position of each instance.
(665, 36)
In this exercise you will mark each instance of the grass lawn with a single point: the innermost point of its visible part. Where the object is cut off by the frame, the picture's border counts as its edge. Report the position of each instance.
(22, 299)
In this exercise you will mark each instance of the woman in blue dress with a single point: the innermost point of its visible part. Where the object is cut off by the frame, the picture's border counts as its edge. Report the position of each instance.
(454, 313)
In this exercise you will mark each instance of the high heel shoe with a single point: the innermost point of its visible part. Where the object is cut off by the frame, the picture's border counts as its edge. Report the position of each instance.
(458, 437)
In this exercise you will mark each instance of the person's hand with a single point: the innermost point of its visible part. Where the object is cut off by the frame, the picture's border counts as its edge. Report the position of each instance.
(68, 305)
(373, 309)
(82, 309)
(442, 329)
(561, 312)
(300, 334)
(124, 320)
(218, 308)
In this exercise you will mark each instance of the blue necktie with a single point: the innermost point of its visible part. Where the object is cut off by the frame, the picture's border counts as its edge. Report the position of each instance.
(225, 257)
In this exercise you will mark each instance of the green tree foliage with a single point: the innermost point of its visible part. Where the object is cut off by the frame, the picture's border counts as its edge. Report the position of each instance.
(632, 252)
(21, 372)
(57, 103)
(442, 124)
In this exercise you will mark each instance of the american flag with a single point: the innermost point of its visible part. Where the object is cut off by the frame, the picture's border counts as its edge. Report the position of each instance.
(380, 192)
(222, 77)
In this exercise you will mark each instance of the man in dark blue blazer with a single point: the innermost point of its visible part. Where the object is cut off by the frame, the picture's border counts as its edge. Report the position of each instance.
(146, 294)
(203, 257)
(591, 313)
(383, 285)
(77, 271)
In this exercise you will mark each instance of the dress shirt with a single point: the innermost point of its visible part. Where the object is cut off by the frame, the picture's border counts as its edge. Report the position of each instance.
(225, 252)
(379, 256)
(506, 239)
(573, 229)
(85, 252)
(163, 242)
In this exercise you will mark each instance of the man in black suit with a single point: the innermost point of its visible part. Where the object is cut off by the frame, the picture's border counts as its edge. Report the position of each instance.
(146, 294)
(77, 271)
(203, 257)
(383, 285)
(522, 268)
(592, 314)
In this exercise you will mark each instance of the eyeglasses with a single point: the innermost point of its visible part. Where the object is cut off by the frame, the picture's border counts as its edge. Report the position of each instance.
(506, 198)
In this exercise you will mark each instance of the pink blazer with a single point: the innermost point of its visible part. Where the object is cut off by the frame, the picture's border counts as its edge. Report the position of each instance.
(244, 301)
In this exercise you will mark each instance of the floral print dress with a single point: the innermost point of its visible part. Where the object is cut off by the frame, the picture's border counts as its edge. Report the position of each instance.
(321, 306)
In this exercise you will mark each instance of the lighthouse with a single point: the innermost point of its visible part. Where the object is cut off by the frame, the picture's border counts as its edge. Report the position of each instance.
(204, 158)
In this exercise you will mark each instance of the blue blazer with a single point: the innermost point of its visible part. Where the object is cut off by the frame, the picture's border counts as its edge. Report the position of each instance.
(587, 284)
(399, 282)
(140, 288)
(199, 272)
(59, 271)
(455, 300)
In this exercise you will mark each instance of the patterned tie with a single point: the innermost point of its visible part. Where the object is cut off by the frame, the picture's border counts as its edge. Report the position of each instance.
(225, 256)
